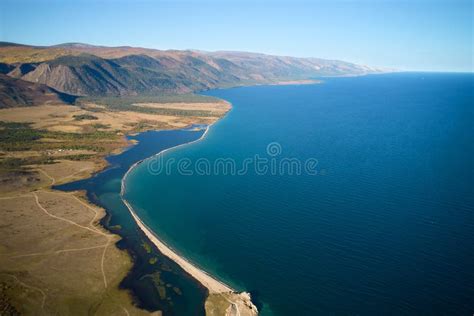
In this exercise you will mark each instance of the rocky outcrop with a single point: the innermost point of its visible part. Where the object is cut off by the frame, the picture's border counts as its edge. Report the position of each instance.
(16, 92)
(230, 304)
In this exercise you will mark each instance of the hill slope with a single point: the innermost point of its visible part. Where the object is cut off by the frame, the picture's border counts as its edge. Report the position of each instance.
(82, 69)
(15, 92)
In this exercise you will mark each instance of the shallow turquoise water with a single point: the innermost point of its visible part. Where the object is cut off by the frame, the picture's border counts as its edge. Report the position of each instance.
(146, 281)
(385, 227)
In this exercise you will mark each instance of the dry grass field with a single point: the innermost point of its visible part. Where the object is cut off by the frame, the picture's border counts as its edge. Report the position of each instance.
(55, 258)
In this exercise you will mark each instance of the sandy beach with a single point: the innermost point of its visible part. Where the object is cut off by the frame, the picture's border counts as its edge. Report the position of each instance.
(212, 284)
(222, 298)
(45, 229)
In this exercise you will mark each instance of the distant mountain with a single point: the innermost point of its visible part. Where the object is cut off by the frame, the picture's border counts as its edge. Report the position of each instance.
(6, 44)
(82, 69)
(73, 45)
(16, 92)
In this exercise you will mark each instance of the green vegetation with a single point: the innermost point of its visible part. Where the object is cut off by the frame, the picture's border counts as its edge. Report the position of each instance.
(82, 117)
(161, 291)
(14, 125)
(144, 125)
(79, 157)
(146, 246)
(18, 136)
(10, 163)
(75, 60)
(21, 136)
(96, 135)
(91, 109)
(163, 98)
(158, 283)
(153, 260)
(177, 290)
(100, 126)
(115, 227)
(17, 163)
(15, 136)
(130, 104)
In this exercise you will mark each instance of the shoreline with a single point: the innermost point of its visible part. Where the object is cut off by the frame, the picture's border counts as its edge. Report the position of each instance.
(221, 297)
(212, 284)
(63, 178)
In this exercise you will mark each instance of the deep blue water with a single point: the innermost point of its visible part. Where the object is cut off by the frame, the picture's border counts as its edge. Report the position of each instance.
(385, 227)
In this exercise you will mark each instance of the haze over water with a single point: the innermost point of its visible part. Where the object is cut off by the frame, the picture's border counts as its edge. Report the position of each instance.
(385, 227)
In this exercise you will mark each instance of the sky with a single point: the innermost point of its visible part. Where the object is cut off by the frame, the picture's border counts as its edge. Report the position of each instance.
(414, 35)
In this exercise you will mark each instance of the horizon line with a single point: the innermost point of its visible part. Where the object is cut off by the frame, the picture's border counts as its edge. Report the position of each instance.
(384, 68)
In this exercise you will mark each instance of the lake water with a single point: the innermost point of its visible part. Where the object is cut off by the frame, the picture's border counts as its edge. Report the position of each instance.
(382, 224)
(156, 282)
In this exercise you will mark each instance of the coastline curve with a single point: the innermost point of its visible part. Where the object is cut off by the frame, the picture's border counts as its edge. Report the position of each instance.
(212, 284)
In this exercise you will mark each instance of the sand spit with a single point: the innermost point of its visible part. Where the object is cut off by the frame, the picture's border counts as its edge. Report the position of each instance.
(228, 299)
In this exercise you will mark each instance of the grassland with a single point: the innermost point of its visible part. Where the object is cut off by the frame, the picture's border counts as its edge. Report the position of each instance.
(55, 258)
(161, 104)
(25, 54)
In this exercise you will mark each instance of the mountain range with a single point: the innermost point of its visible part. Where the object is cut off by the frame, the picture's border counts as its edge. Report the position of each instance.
(86, 70)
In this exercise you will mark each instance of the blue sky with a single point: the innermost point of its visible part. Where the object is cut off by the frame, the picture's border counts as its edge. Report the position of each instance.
(434, 35)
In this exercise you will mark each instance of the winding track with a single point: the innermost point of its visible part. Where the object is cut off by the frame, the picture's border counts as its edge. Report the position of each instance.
(30, 287)
(234, 309)
(90, 227)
